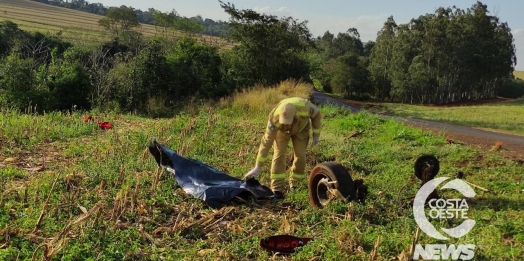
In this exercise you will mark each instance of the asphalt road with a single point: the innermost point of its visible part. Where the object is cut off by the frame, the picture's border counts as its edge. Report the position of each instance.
(513, 145)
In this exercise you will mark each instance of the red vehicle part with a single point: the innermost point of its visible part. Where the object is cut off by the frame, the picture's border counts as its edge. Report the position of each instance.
(104, 125)
(283, 244)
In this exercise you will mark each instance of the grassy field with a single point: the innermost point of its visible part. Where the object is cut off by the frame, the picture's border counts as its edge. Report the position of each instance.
(485, 116)
(73, 192)
(75, 25)
(519, 74)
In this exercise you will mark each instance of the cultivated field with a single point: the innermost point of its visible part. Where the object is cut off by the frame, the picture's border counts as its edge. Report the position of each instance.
(519, 74)
(71, 191)
(73, 24)
(505, 116)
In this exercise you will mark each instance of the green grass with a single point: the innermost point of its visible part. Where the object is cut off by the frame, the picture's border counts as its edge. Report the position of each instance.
(519, 74)
(110, 203)
(500, 116)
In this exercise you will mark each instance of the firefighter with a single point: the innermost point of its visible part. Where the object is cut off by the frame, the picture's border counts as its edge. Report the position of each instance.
(292, 119)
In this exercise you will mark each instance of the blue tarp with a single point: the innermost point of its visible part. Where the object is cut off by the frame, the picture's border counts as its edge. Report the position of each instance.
(204, 182)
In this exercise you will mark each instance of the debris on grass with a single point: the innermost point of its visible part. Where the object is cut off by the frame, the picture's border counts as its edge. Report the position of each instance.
(283, 244)
(355, 134)
(104, 125)
(497, 146)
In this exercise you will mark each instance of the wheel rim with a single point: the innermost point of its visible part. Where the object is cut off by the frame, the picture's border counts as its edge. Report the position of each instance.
(323, 191)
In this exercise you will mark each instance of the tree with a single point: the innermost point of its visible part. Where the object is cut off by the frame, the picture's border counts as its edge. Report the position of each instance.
(68, 83)
(443, 57)
(119, 20)
(350, 77)
(164, 20)
(270, 50)
(17, 83)
(380, 59)
(188, 25)
(196, 70)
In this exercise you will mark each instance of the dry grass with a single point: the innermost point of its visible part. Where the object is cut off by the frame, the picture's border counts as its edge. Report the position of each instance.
(261, 99)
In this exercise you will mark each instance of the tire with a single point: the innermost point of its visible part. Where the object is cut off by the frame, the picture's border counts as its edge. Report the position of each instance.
(423, 163)
(332, 171)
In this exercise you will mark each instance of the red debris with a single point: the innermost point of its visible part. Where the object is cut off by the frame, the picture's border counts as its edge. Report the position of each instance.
(283, 244)
(104, 125)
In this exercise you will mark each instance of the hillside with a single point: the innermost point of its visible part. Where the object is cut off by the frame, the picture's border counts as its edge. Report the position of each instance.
(519, 74)
(73, 24)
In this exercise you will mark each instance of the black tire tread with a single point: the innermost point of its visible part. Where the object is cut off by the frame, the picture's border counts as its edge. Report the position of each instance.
(336, 172)
(424, 159)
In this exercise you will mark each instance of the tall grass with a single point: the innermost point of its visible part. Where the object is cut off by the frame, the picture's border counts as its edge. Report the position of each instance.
(262, 98)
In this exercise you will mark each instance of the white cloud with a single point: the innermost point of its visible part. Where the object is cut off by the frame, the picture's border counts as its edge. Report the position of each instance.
(264, 9)
(283, 10)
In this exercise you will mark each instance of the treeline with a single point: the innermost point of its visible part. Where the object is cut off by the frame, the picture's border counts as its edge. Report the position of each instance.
(447, 56)
(451, 55)
(443, 57)
(206, 26)
(154, 76)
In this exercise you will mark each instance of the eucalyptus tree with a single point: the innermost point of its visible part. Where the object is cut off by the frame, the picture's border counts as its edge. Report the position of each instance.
(447, 56)
(380, 59)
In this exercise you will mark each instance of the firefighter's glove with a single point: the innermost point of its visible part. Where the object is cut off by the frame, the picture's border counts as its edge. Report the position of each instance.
(316, 139)
(253, 173)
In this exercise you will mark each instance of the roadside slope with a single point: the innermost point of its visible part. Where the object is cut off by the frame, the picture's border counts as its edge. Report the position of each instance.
(512, 145)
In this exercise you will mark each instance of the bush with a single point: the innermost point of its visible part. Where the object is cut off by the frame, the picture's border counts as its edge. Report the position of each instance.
(512, 88)
(66, 82)
(196, 70)
(17, 84)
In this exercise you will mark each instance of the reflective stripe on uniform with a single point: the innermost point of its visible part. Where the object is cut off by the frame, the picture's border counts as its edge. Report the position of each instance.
(298, 176)
(261, 159)
(316, 131)
(302, 113)
(296, 101)
(278, 176)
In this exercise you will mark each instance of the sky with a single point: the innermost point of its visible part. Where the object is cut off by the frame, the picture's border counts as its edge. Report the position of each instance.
(336, 16)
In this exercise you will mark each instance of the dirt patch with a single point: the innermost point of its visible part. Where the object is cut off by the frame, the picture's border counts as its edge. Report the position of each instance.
(36, 160)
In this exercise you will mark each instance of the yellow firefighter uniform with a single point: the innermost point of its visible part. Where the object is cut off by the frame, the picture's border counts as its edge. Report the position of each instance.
(291, 119)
